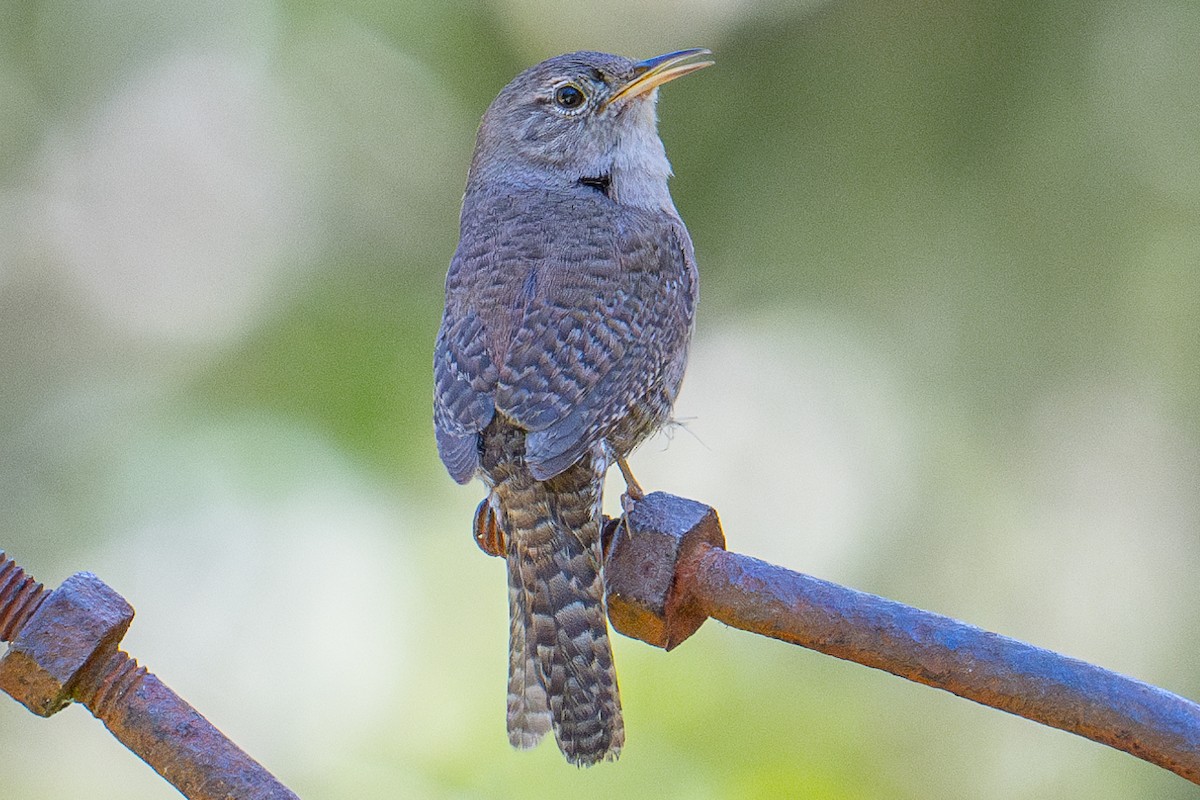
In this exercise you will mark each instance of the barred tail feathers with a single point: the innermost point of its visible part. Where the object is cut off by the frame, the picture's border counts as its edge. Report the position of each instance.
(561, 673)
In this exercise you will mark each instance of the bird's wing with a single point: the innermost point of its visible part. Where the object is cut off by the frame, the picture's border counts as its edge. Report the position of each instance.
(480, 313)
(464, 381)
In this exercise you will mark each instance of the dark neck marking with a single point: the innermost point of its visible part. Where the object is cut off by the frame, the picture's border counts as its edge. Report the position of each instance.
(602, 184)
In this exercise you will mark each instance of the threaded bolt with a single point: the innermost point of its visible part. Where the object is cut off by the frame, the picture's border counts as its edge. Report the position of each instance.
(20, 596)
(65, 647)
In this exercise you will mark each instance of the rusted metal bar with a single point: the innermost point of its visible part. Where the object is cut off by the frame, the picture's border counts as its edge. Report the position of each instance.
(64, 648)
(667, 571)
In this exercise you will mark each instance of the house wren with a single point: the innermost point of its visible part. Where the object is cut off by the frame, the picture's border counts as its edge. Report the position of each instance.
(569, 308)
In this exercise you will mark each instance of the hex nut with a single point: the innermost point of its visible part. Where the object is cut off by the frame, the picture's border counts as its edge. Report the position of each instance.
(647, 599)
(74, 622)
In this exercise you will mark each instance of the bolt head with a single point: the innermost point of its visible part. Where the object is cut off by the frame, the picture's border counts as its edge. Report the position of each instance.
(74, 622)
(645, 573)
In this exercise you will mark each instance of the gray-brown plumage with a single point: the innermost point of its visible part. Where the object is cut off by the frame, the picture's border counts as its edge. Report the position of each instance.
(569, 308)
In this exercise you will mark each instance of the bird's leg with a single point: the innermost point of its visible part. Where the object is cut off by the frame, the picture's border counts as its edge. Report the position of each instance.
(633, 489)
(488, 533)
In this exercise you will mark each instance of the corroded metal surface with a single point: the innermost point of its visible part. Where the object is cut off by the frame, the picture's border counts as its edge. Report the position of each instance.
(706, 580)
(171, 736)
(65, 648)
(20, 596)
(645, 600)
(73, 623)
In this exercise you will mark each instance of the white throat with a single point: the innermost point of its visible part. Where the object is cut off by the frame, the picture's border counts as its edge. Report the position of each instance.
(640, 168)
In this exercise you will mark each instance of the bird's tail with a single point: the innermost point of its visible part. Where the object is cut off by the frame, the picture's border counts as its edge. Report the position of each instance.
(560, 672)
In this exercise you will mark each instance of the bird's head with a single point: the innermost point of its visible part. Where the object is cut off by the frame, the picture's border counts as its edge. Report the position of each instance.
(582, 119)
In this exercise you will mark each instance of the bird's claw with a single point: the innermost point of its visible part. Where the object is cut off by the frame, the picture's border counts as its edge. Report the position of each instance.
(487, 531)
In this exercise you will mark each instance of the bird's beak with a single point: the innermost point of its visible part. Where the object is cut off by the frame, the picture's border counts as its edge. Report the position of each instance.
(654, 72)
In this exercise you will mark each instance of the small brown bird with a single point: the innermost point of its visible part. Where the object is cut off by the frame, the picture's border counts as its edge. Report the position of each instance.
(569, 308)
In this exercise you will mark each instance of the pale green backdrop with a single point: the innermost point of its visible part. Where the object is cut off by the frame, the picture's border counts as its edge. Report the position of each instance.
(948, 351)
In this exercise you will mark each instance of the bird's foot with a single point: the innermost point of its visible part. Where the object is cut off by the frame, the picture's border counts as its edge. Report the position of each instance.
(634, 493)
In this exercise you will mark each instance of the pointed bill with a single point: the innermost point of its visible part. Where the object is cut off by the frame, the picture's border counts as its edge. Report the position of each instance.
(654, 72)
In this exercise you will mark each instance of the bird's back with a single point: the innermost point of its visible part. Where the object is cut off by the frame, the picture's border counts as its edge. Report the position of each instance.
(569, 314)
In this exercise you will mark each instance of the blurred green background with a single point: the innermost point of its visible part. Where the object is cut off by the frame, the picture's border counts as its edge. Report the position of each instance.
(947, 352)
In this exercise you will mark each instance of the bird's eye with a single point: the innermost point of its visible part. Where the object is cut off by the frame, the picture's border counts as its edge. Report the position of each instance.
(569, 97)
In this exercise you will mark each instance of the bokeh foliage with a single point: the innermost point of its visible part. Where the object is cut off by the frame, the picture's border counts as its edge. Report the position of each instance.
(947, 352)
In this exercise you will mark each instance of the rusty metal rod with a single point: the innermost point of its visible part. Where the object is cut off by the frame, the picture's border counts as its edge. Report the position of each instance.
(65, 648)
(667, 570)
(171, 736)
(1143, 720)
